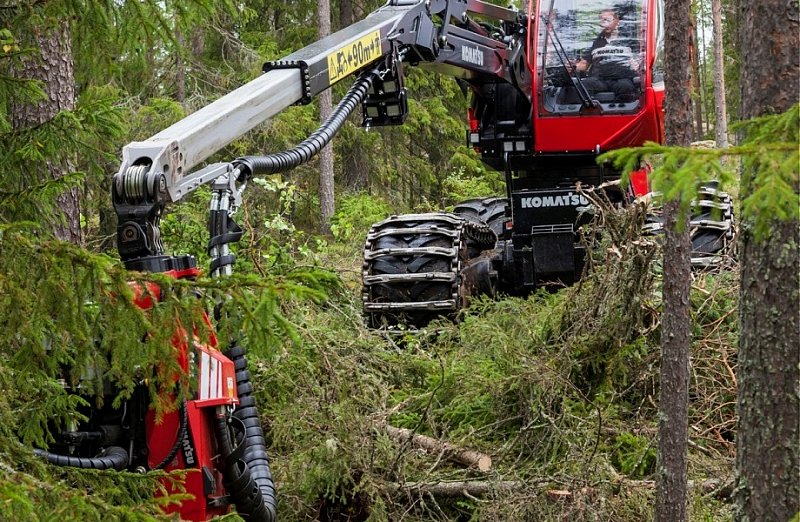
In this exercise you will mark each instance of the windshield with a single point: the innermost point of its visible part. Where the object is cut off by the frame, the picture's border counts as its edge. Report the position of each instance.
(591, 53)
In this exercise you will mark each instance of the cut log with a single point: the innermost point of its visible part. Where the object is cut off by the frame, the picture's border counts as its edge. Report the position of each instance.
(482, 488)
(474, 488)
(473, 459)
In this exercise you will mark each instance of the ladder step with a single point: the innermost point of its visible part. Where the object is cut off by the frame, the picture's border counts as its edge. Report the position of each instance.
(447, 304)
(417, 251)
(433, 217)
(708, 223)
(413, 231)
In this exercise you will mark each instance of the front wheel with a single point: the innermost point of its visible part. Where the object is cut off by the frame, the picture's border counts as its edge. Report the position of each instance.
(418, 267)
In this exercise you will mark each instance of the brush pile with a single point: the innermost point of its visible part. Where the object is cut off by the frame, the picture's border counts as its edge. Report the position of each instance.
(558, 393)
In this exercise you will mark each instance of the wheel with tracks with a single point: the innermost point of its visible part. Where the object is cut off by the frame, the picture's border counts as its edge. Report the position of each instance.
(411, 268)
(712, 228)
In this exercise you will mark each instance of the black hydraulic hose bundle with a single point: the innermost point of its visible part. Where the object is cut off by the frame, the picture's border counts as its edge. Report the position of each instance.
(311, 146)
(112, 457)
(183, 417)
(246, 472)
(223, 230)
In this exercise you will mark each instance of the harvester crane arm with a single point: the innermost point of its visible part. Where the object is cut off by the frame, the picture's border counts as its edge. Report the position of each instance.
(159, 170)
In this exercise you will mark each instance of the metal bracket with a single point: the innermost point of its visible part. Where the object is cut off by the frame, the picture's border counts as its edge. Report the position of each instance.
(305, 77)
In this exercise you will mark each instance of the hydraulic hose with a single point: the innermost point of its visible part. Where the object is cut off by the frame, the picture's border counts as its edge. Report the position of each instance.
(311, 146)
(184, 421)
(246, 472)
(112, 457)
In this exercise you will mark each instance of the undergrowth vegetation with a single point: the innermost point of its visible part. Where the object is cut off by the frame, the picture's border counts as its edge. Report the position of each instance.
(560, 389)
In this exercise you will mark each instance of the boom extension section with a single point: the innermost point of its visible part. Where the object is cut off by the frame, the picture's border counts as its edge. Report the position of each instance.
(439, 33)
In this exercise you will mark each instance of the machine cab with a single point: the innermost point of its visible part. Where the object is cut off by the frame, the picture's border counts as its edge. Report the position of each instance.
(599, 84)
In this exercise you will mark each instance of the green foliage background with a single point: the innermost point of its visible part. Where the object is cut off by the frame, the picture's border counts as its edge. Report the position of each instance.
(558, 388)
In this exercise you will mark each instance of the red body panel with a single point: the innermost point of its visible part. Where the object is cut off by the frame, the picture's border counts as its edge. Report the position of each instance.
(597, 133)
(216, 386)
(639, 181)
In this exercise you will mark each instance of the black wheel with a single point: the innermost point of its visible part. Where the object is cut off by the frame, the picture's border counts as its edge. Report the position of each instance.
(411, 269)
(489, 211)
(711, 227)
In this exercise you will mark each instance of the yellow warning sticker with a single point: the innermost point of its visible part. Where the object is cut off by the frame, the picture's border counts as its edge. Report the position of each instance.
(354, 56)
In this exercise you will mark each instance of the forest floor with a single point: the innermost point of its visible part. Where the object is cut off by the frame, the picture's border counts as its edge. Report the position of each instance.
(559, 391)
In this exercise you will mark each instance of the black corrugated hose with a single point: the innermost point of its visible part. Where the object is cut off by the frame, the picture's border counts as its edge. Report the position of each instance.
(247, 476)
(311, 146)
(112, 457)
(183, 419)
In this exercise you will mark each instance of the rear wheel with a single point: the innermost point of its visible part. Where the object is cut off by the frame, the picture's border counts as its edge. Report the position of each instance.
(711, 227)
(488, 211)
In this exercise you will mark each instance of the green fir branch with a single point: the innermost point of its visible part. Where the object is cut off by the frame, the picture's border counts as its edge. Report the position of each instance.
(770, 154)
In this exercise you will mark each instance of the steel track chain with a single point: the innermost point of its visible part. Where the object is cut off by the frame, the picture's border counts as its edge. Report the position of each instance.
(481, 234)
(454, 229)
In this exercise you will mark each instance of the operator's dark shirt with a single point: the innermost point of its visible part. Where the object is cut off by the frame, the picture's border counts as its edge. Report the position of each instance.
(611, 60)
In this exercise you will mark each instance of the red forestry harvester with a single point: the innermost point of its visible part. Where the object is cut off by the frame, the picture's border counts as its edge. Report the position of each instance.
(553, 86)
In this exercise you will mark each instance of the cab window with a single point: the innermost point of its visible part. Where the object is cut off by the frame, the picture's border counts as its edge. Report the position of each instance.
(590, 53)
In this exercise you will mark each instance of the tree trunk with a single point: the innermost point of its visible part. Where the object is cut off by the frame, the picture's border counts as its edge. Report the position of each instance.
(346, 13)
(704, 70)
(326, 192)
(697, 90)
(360, 10)
(180, 68)
(355, 165)
(675, 323)
(720, 104)
(767, 449)
(673, 426)
(52, 65)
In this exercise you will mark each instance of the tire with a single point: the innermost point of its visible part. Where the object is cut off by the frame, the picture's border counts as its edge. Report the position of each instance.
(411, 269)
(712, 229)
(489, 211)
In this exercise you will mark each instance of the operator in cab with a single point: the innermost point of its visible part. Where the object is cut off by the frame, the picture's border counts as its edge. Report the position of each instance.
(612, 62)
